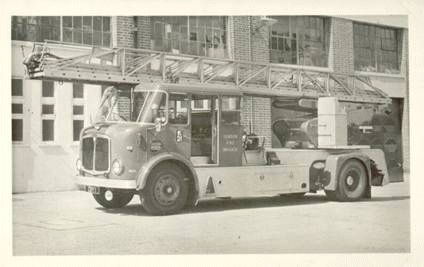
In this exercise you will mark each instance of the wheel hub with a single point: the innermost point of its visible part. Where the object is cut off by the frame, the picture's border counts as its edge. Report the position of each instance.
(167, 190)
(352, 180)
(108, 195)
(349, 180)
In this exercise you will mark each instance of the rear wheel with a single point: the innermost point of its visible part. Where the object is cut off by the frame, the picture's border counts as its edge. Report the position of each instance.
(166, 190)
(113, 199)
(352, 181)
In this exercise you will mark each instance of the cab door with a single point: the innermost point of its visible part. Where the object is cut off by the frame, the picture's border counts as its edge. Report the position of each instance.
(229, 131)
(179, 123)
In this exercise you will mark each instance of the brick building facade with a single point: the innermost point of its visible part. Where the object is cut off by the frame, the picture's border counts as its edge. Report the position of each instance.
(35, 151)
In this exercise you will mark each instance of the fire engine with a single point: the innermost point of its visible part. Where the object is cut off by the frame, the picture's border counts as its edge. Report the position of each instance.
(169, 128)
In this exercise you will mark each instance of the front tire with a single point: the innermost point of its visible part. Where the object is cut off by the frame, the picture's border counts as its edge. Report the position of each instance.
(352, 181)
(166, 190)
(113, 199)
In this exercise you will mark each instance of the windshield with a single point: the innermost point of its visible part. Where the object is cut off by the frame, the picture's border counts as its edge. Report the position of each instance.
(123, 106)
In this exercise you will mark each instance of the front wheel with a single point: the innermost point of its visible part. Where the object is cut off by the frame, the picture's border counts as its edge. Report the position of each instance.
(352, 181)
(113, 199)
(166, 190)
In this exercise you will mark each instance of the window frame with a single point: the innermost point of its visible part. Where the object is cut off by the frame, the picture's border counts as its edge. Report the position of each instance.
(48, 100)
(380, 56)
(77, 101)
(18, 99)
(187, 102)
(176, 34)
(228, 111)
(313, 30)
(31, 29)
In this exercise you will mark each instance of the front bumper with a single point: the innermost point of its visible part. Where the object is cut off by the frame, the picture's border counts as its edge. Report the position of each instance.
(103, 182)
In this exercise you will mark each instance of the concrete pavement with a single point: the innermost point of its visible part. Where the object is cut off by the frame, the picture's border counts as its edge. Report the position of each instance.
(72, 223)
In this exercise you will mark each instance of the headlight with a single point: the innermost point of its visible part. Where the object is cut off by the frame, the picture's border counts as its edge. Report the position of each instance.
(117, 167)
(79, 164)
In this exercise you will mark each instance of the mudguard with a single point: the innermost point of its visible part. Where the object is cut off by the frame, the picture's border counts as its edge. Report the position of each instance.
(147, 167)
(334, 163)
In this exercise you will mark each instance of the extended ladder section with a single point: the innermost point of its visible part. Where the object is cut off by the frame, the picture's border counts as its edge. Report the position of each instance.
(135, 66)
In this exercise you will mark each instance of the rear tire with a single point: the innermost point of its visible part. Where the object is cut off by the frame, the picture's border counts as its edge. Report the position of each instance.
(351, 182)
(166, 190)
(113, 199)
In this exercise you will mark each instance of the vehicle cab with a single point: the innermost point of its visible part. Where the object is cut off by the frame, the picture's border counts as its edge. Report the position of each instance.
(136, 130)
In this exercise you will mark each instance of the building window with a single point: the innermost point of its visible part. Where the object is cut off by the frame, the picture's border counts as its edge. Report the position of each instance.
(35, 29)
(17, 87)
(17, 130)
(17, 110)
(87, 30)
(376, 48)
(47, 111)
(299, 41)
(17, 122)
(78, 110)
(78, 90)
(78, 125)
(48, 130)
(48, 89)
(203, 36)
(82, 30)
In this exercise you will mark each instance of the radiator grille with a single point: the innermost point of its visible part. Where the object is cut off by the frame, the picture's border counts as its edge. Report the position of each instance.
(95, 154)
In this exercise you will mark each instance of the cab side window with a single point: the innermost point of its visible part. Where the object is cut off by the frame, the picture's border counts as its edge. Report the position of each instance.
(178, 109)
(230, 114)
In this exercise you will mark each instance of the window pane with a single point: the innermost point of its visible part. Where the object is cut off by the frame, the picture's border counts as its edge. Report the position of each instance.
(17, 108)
(382, 49)
(48, 130)
(17, 130)
(97, 23)
(87, 22)
(298, 40)
(67, 35)
(97, 38)
(47, 109)
(88, 38)
(77, 22)
(192, 35)
(48, 89)
(78, 110)
(56, 33)
(78, 90)
(106, 39)
(178, 111)
(67, 22)
(17, 88)
(78, 36)
(36, 28)
(77, 127)
(106, 24)
(198, 104)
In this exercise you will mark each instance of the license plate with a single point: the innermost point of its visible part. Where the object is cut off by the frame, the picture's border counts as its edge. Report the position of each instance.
(91, 189)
